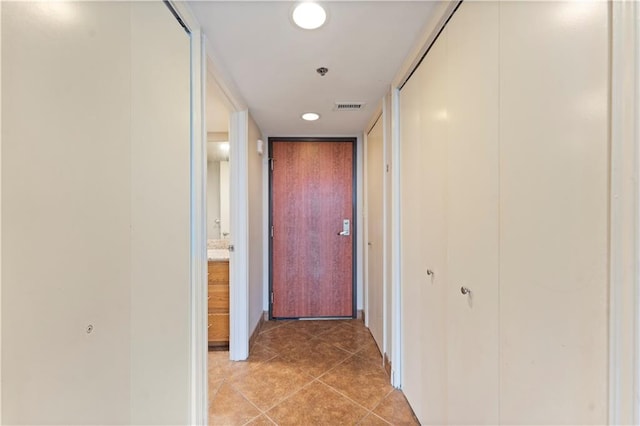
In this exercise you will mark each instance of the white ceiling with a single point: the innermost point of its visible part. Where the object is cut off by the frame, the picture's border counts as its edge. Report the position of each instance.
(272, 62)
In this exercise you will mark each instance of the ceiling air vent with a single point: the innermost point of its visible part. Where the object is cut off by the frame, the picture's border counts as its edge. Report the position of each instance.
(349, 106)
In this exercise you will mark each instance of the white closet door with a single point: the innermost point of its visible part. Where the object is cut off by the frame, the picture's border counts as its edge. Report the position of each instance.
(424, 235)
(473, 253)
(412, 270)
(375, 258)
(554, 198)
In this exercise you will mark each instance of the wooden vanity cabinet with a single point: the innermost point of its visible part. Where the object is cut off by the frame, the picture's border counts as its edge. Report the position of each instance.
(218, 303)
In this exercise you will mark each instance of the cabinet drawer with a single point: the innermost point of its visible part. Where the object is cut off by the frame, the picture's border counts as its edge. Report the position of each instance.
(218, 328)
(218, 272)
(219, 299)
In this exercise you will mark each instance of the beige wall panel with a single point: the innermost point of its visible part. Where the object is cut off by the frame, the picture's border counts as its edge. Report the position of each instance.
(554, 197)
(374, 222)
(160, 227)
(423, 224)
(65, 212)
(472, 214)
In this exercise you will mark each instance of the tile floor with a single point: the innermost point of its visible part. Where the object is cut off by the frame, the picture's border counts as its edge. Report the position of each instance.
(306, 373)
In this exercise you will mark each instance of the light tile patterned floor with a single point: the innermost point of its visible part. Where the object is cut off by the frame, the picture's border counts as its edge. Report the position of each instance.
(306, 373)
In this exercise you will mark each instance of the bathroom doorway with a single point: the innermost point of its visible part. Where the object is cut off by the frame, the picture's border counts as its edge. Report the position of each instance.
(218, 112)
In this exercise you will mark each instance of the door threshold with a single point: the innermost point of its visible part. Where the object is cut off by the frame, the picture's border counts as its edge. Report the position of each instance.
(323, 318)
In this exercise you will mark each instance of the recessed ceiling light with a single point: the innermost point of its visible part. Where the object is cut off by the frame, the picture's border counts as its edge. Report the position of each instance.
(310, 116)
(309, 15)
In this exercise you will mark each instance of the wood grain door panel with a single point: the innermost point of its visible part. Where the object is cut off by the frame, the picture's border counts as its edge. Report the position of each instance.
(311, 194)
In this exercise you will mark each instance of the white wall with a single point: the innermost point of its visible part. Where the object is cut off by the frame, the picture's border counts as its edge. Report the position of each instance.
(256, 164)
(96, 108)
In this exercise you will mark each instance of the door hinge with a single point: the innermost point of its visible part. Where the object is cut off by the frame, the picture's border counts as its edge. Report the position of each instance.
(387, 168)
(271, 231)
(271, 163)
(272, 298)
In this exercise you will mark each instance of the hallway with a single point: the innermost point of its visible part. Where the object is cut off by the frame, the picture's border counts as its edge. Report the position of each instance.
(306, 373)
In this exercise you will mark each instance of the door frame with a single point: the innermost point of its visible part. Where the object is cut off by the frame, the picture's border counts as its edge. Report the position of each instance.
(624, 213)
(239, 210)
(203, 63)
(354, 203)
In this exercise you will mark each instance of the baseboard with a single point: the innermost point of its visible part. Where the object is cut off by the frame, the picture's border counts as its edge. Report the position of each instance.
(256, 331)
(387, 365)
(360, 315)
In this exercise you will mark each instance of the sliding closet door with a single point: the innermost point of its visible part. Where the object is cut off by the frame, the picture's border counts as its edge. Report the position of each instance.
(554, 197)
(160, 216)
(423, 174)
(472, 183)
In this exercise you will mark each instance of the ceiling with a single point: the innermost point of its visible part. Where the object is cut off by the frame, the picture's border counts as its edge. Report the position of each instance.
(273, 63)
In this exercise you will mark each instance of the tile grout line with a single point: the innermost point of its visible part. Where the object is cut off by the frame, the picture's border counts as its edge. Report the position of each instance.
(355, 402)
(324, 337)
(212, 397)
(349, 398)
(380, 402)
(288, 396)
(248, 400)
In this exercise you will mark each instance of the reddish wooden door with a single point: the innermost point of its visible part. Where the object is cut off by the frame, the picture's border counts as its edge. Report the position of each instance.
(312, 194)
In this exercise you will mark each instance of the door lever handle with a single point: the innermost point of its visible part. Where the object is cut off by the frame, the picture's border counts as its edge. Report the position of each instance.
(346, 228)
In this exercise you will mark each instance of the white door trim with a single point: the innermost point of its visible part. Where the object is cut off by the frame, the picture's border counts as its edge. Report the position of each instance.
(198, 336)
(388, 233)
(198, 345)
(365, 227)
(624, 292)
(396, 288)
(0, 218)
(238, 271)
(238, 167)
(203, 61)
